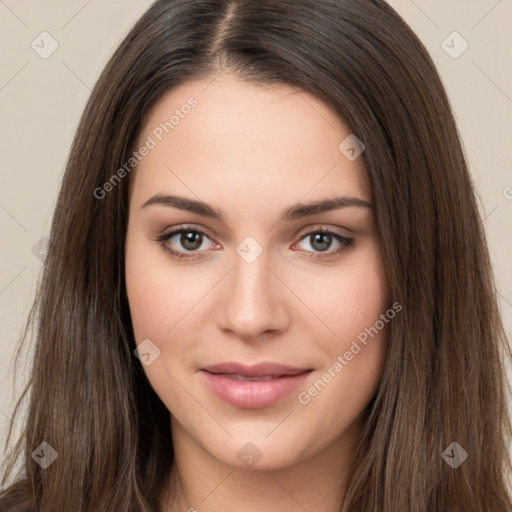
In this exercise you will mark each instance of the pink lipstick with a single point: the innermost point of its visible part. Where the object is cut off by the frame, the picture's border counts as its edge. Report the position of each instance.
(253, 387)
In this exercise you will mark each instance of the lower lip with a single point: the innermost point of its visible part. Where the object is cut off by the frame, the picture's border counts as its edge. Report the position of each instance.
(253, 394)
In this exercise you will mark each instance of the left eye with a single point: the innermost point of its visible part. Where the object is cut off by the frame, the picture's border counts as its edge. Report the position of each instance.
(321, 241)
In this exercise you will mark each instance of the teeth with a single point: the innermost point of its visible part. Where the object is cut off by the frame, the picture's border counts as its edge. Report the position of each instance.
(236, 376)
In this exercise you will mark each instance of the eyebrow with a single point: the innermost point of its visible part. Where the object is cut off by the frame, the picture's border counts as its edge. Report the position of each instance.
(295, 212)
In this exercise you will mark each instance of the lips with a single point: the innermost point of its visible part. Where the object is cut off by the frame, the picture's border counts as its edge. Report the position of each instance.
(237, 376)
(257, 370)
(253, 387)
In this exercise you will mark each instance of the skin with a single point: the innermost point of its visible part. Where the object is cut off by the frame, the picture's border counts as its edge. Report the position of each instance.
(254, 151)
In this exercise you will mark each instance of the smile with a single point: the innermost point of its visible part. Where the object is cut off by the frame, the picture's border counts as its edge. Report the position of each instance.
(246, 390)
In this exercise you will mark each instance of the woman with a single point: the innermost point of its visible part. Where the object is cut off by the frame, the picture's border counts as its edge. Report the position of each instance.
(267, 285)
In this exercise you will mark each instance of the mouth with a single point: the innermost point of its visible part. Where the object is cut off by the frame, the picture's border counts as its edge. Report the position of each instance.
(237, 376)
(265, 369)
(253, 387)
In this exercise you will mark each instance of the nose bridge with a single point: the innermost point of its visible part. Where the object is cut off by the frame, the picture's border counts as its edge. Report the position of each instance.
(253, 303)
(251, 278)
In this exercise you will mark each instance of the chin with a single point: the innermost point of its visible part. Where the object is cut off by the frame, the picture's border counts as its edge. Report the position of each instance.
(257, 454)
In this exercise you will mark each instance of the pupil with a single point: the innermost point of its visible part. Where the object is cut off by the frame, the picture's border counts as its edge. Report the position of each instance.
(324, 241)
(189, 240)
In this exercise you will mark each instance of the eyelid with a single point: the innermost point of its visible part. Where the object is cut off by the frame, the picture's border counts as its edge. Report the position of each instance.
(184, 227)
(346, 240)
(301, 233)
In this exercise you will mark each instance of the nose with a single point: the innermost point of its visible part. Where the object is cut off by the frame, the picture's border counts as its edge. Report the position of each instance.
(253, 302)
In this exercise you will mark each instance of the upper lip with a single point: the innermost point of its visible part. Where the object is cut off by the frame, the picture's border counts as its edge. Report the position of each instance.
(256, 370)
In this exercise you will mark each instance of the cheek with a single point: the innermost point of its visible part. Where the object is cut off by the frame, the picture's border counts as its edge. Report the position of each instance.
(158, 300)
(362, 297)
(146, 295)
(355, 354)
(158, 294)
(354, 339)
(348, 299)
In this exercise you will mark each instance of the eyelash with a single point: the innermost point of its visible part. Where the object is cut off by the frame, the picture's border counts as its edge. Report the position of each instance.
(162, 239)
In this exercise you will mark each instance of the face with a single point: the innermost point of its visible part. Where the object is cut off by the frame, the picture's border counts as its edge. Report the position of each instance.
(263, 322)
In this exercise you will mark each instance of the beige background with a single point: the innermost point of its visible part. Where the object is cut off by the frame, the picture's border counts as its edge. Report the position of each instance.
(41, 101)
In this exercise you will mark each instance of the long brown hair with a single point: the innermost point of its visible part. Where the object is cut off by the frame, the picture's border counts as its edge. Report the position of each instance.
(443, 381)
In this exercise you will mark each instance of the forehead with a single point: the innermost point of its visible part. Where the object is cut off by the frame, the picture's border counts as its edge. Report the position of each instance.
(231, 138)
